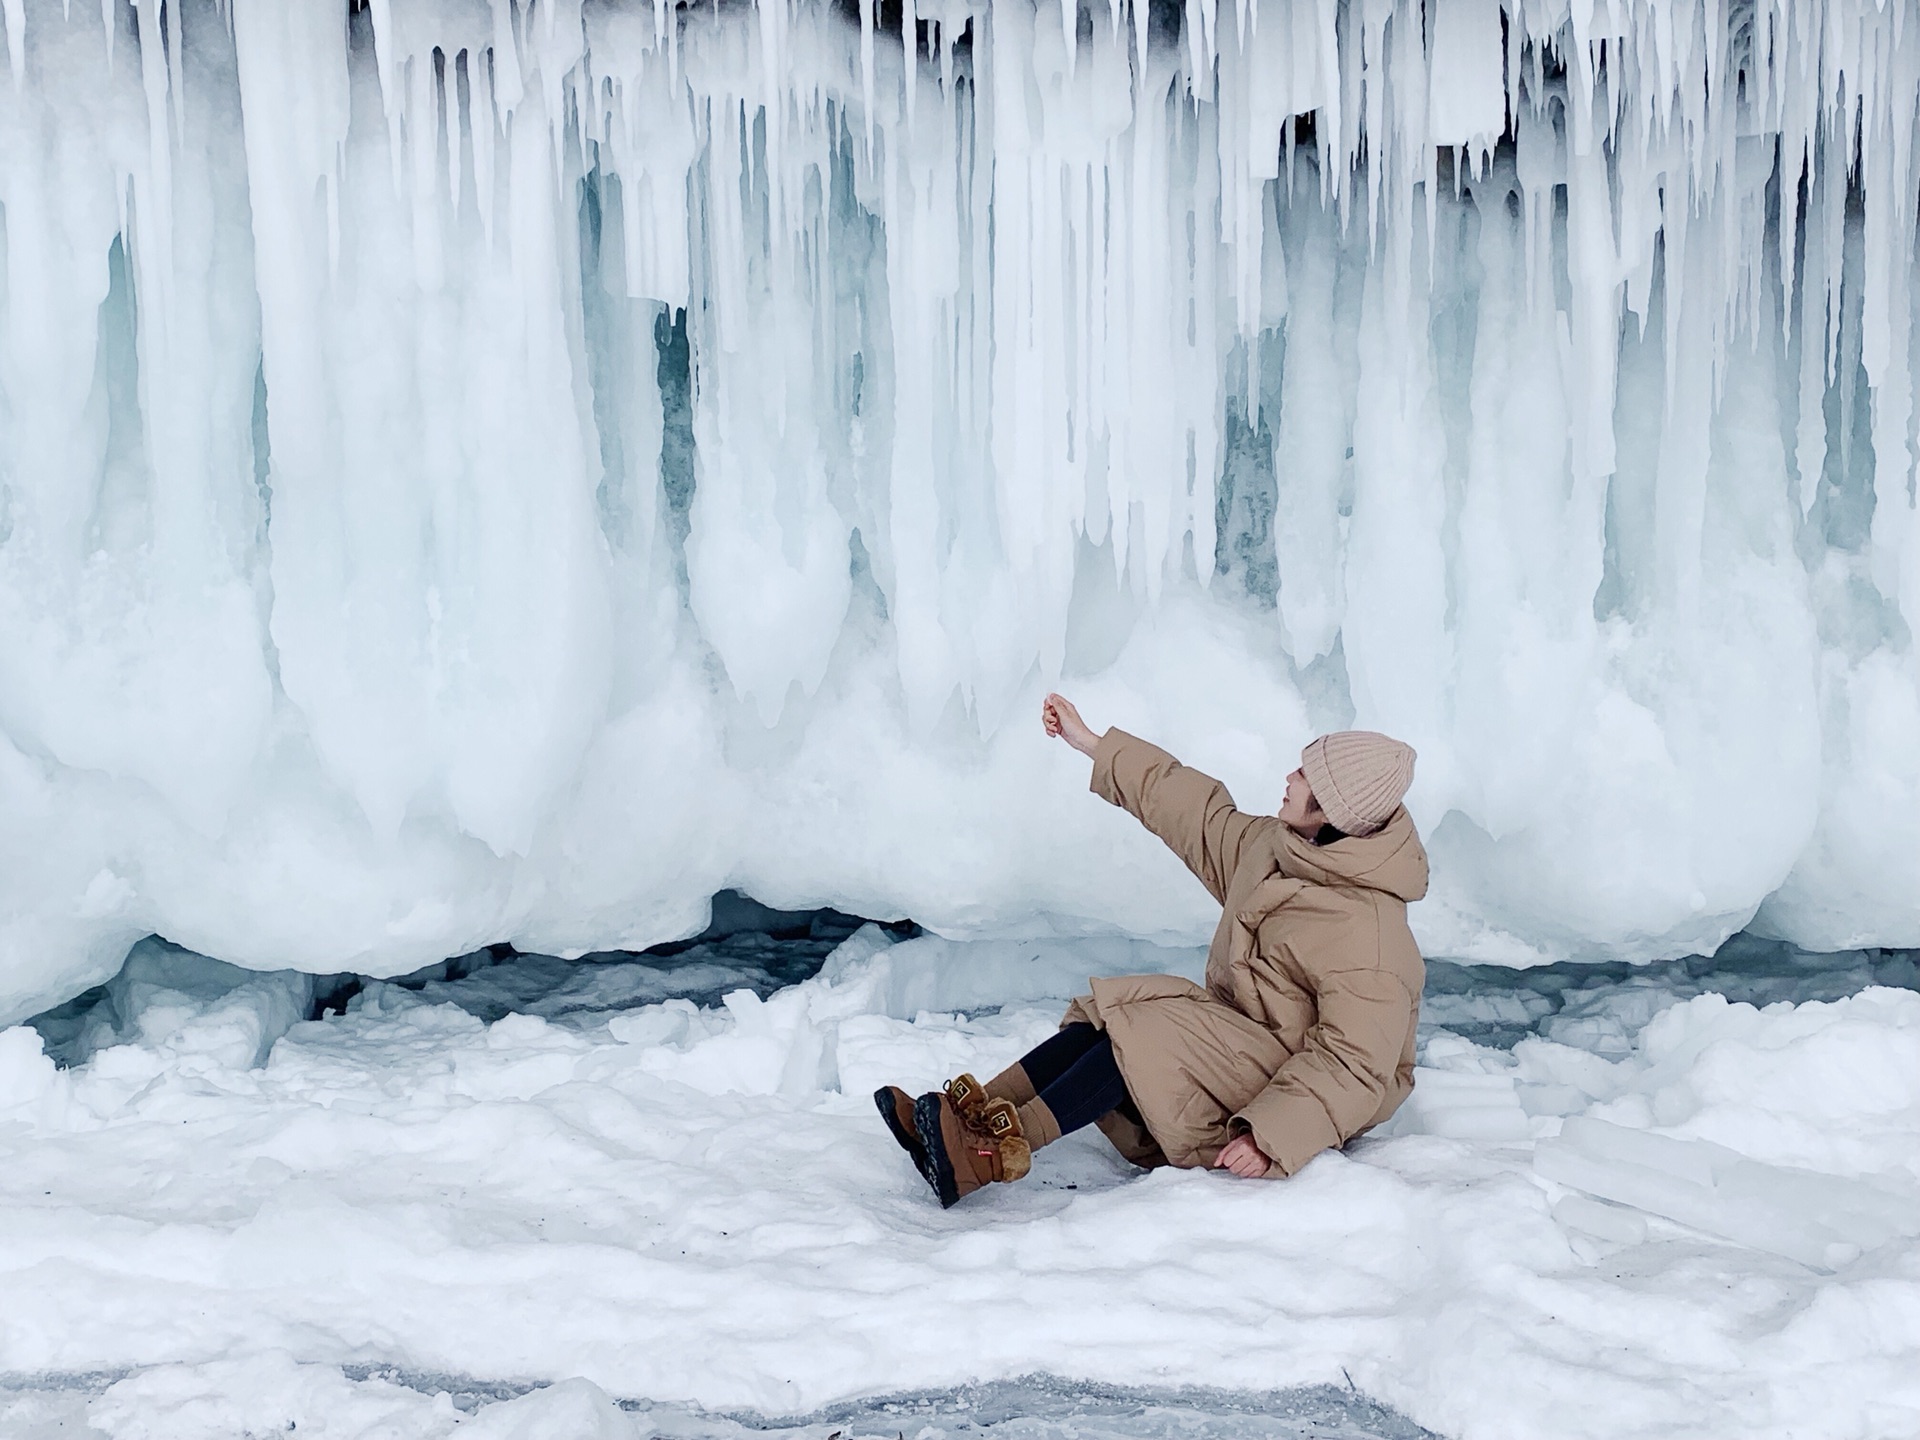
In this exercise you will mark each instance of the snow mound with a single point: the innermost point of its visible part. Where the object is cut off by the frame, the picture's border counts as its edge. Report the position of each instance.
(1710, 1233)
(271, 1394)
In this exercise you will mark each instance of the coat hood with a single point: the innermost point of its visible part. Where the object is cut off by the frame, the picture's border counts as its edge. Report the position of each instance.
(1392, 859)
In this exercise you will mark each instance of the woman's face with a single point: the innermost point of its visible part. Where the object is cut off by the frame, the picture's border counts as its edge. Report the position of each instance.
(1300, 811)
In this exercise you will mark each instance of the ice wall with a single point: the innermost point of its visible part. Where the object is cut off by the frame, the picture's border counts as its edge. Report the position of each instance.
(481, 470)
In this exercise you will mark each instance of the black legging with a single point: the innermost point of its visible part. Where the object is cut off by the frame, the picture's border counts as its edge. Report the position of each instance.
(1073, 1070)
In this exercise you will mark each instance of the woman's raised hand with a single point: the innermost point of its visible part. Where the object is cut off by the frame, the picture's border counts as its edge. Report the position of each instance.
(1059, 718)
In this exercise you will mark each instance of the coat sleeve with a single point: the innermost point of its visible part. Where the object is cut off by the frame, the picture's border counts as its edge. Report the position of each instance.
(1192, 812)
(1332, 1088)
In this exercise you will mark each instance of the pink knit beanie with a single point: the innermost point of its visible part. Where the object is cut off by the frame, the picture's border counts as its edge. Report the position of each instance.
(1358, 777)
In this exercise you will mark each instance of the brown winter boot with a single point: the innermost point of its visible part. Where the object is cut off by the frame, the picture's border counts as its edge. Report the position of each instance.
(896, 1108)
(967, 1149)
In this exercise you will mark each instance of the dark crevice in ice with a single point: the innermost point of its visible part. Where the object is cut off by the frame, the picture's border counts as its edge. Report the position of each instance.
(745, 946)
(1597, 1006)
(1039, 1406)
(770, 948)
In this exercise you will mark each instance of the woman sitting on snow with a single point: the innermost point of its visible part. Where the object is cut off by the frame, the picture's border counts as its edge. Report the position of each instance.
(1303, 1034)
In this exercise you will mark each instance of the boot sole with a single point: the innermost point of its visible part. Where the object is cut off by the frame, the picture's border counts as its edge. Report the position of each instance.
(909, 1142)
(934, 1164)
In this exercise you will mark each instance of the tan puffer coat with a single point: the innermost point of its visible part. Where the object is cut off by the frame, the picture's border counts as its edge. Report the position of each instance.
(1304, 1031)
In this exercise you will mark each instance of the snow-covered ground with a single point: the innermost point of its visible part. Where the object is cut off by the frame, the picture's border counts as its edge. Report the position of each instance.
(273, 1393)
(1660, 1211)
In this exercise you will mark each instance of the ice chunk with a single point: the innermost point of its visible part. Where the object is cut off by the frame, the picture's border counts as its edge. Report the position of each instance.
(174, 1002)
(1613, 1223)
(1824, 1221)
(1461, 1107)
(27, 1072)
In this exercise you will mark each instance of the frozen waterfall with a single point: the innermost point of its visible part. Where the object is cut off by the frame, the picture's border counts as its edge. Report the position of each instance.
(482, 470)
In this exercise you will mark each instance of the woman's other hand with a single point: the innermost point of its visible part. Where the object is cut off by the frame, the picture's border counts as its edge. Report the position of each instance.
(1058, 717)
(1243, 1158)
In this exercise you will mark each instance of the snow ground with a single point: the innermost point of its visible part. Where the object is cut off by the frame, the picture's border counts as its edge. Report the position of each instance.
(1621, 1203)
(263, 1394)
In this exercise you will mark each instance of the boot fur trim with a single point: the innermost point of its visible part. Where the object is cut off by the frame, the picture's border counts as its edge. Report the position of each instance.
(1001, 1122)
(965, 1093)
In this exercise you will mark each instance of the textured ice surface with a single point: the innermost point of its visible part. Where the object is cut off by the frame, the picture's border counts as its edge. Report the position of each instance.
(1698, 1218)
(500, 473)
(274, 1394)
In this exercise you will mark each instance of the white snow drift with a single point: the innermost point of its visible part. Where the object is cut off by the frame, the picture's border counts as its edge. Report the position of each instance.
(382, 572)
(1709, 1229)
